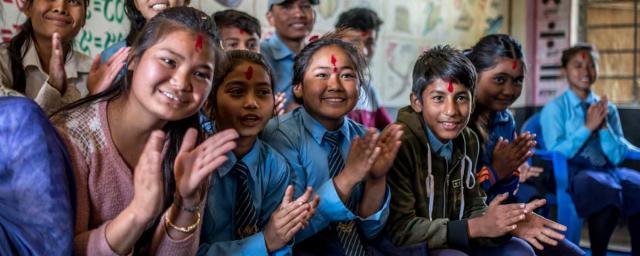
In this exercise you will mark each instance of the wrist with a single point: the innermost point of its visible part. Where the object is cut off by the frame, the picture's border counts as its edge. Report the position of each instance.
(139, 217)
(345, 181)
(473, 227)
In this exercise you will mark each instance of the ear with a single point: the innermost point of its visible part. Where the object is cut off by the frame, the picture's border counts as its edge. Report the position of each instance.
(416, 104)
(270, 17)
(132, 63)
(297, 90)
(24, 7)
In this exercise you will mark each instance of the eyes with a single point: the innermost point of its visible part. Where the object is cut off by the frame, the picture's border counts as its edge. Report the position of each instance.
(75, 2)
(234, 45)
(502, 79)
(346, 74)
(460, 98)
(200, 74)
(237, 91)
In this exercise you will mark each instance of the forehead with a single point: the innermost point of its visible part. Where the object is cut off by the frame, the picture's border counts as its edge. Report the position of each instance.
(236, 32)
(440, 85)
(356, 33)
(581, 55)
(513, 67)
(246, 70)
(184, 43)
(325, 55)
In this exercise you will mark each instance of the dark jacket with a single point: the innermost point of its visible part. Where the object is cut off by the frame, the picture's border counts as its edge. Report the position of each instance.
(442, 225)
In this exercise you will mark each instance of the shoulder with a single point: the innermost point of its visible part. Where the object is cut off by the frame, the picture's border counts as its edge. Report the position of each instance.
(83, 62)
(471, 141)
(82, 128)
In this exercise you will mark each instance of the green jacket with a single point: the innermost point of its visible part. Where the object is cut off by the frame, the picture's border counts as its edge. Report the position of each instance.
(412, 220)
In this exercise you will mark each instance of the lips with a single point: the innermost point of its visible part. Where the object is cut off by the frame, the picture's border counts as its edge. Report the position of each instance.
(173, 97)
(298, 25)
(57, 19)
(449, 125)
(250, 119)
(158, 7)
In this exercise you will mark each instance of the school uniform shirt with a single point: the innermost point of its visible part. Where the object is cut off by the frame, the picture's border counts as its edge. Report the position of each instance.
(76, 66)
(36, 216)
(369, 110)
(107, 53)
(104, 185)
(593, 156)
(281, 60)
(269, 176)
(501, 125)
(299, 138)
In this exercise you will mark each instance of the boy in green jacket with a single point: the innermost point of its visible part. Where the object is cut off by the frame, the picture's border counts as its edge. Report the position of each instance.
(434, 198)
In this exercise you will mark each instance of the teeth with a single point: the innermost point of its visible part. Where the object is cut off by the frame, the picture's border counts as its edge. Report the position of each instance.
(159, 7)
(334, 100)
(170, 96)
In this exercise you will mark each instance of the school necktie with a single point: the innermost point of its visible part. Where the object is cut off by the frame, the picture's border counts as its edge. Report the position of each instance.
(346, 230)
(245, 215)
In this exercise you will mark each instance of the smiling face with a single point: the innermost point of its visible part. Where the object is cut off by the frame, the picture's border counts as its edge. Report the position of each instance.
(63, 16)
(150, 8)
(330, 86)
(173, 77)
(500, 85)
(445, 107)
(244, 100)
(234, 38)
(292, 19)
(581, 71)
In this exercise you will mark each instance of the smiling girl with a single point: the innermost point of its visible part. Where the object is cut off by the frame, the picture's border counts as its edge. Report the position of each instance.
(243, 100)
(344, 162)
(140, 178)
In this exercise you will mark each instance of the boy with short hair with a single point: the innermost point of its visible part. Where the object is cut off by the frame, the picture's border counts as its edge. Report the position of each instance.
(434, 196)
(360, 26)
(293, 21)
(238, 30)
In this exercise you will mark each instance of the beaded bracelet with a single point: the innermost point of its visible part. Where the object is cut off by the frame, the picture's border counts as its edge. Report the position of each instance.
(188, 229)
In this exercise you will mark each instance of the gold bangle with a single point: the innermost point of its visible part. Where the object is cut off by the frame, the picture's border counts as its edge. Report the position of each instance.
(188, 229)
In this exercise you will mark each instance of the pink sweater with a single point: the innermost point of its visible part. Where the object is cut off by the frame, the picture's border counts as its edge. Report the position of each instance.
(104, 184)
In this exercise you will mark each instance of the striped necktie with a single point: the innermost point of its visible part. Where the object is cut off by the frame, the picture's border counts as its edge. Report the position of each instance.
(346, 230)
(245, 215)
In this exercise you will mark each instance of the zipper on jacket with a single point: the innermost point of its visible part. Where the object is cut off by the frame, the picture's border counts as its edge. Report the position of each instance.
(446, 187)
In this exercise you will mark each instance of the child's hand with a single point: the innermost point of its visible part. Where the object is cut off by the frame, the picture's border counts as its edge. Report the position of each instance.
(102, 75)
(148, 184)
(193, 165)
(389, 143)
(498, 219)
(280, 100)
(596, 115)
(57, 75)
(527, 172)
(507, 157)
(537, 230)
(362, 155)
(288, 219)
(604, 101)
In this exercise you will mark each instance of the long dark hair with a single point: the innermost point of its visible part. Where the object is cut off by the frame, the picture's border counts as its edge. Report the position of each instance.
(304, 58)
(485, 55)
(23, 40)
(136, 20)
(168, 21)
(232, 60)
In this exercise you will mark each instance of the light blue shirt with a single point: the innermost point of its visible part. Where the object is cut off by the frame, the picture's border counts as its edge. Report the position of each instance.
(564, 130)
(442, 149)
(298, 136)
(281, 59)
(110, 51)
(268, 179)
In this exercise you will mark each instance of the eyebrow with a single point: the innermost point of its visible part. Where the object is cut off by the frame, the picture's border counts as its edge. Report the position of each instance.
(208, 66)
(330, 68)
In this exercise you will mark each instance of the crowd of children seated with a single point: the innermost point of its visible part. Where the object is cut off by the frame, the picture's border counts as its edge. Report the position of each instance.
(194, 137)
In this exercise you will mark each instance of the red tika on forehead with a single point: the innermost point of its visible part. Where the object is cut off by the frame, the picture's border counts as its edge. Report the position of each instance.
(242, 32)
(199, 40)
(450, 87)
(514, 65)
(584, 55)
(333, 62)
(365, 33)
(249, 73)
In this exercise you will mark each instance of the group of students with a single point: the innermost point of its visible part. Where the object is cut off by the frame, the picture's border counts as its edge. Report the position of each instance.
(186, 140)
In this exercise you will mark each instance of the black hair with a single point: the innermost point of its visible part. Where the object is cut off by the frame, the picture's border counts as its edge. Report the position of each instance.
(359, 18)
(305, 57)
(23, 40)
(166, 22)
(233, 59)
(238, 19)
(446, 63)
(568, 53)
(484, 55)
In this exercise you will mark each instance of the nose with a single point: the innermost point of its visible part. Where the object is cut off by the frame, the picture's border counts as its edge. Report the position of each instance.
(297, 11)
(450, 106)
(334, 84)
(60, 6)
(250, 101)
(180, 80)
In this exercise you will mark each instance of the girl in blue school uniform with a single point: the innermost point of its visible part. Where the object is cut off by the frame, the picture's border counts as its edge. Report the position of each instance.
(345, 163)
(498, 59)
(249, 209)
(586, 129)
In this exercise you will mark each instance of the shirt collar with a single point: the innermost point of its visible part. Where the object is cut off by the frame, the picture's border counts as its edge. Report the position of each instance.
(279, 48)
(436, 144)
(77, 63)
(316, 129)
(576, 101)
(500, 117)
(250, 160)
